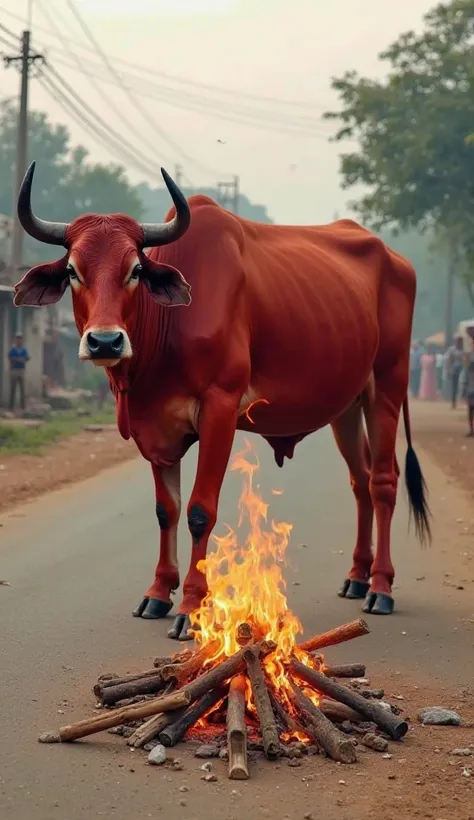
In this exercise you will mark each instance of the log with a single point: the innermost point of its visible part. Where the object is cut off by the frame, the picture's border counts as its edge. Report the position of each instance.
(289, 722)
(178, 657)
(152, 728)
(237, 730)
(344, 670)
(173, 733)
(244, 634)
(143, 686)
(346, 632)
(320, 728)
(99, 723)
(268, 729)
(338, 712)
(182, 672)
(223, 671)
(369, 709)
(101, 685)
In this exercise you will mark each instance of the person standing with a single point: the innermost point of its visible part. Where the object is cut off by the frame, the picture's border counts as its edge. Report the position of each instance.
(469, 384)
(454, 365)
(18, 356)
(428, 385)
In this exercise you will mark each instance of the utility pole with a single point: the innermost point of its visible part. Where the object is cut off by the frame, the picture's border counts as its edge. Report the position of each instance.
(228, 194)
(178, 175)
(25, 60)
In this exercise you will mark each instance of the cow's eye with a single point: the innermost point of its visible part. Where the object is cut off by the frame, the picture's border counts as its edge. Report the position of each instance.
(72, 273)
(136, 272)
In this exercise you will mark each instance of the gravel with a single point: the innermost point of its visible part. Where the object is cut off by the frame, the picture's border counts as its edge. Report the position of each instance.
(438, 716)
(157, 755)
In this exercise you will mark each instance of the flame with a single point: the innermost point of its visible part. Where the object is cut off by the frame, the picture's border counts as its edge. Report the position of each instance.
(246, 587)
(245, 580)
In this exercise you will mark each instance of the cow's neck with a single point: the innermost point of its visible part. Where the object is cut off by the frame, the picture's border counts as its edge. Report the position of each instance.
(149, 338)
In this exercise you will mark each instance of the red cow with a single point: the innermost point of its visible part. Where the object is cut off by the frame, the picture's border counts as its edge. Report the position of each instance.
(315, 322)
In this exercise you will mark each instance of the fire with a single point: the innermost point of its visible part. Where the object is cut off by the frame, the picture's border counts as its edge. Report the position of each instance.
(245, 580)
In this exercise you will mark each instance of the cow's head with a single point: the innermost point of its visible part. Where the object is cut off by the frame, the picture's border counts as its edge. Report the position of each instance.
(104, 264)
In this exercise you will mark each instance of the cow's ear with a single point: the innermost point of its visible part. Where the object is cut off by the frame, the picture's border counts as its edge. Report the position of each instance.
(165, 283)
(42, 285)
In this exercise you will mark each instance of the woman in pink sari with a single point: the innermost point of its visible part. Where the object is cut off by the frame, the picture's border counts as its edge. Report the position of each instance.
(428, 383)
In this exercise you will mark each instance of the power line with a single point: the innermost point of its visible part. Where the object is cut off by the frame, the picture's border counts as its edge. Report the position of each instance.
(188, 81)
(149, 120)
(94, 122)
(104, 96)
(244, 111)
(217, 109)
(121, 148)
(90, 128)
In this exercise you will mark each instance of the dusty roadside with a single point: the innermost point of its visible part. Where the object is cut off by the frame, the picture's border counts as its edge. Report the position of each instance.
(441, 432)
(23, 477)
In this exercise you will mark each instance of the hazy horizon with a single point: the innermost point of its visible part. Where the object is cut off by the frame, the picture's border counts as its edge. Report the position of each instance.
(256, 47)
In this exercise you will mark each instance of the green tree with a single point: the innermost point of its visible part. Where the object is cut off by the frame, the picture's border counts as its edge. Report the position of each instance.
(66, 183)
(415, 156)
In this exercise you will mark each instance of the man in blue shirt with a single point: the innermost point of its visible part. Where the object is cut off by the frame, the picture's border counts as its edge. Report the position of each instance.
(18, 356)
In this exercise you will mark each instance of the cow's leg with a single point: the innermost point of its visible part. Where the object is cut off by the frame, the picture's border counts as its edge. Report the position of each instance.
(390, 390)
(157, 600)
(217, 424)
(352, 442)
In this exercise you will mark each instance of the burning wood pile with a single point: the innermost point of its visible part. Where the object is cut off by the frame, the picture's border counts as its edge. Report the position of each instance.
(247, 682)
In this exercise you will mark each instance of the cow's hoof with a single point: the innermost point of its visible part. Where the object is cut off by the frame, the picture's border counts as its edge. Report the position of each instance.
(180, 631)
(152, 609)
(354, 589)
(378, 603)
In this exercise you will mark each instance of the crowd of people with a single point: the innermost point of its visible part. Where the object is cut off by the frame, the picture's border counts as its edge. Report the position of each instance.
(448, 375)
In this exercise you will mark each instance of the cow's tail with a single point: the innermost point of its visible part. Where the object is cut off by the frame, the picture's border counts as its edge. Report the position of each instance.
(416, 486)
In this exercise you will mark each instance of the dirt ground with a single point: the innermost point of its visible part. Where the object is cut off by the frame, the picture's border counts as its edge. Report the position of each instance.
(441, 431)
(23, 477)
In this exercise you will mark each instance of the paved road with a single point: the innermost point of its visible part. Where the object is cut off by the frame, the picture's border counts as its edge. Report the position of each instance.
(78, 562)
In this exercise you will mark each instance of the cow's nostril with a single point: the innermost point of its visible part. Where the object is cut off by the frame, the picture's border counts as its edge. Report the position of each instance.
(117, 342)
(93, 343)
(105, 345)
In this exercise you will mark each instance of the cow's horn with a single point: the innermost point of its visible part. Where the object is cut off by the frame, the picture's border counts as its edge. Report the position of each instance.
(52, 233)
(163, 233)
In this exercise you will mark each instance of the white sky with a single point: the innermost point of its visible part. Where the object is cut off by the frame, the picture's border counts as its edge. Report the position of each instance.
(280, 48)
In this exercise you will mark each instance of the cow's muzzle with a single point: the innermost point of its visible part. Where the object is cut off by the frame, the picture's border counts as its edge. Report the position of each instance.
(105, 345)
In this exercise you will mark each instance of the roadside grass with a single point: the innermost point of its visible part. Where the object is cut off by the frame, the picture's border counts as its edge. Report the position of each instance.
(14, 438)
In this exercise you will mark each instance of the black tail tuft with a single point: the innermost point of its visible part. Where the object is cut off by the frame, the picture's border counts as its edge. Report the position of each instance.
(416, 488)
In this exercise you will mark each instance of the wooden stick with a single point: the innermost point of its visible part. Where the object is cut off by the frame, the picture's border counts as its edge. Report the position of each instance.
(237, 730)
(337, 745)
(268, 729)
(99, 723)
(344, 670)
(173, 733)
(182, 672)
(369, 709)
(346, 632)
(290, 724)
(223, 671)
(178, 657)
(152, 728)
(143, 686)
(244, 634)
(338, 712)
(106, 684)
